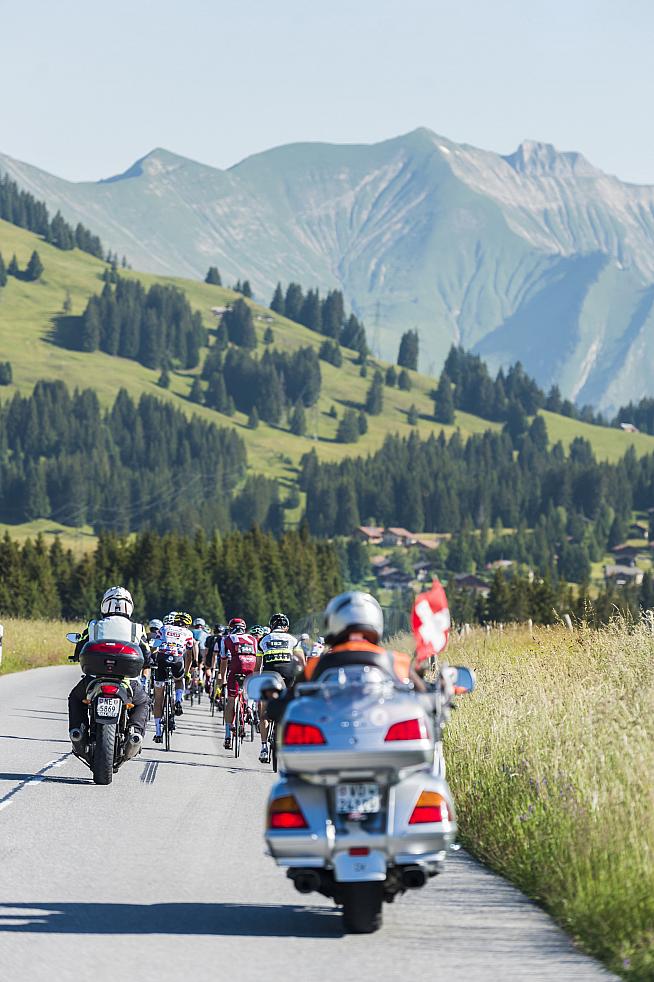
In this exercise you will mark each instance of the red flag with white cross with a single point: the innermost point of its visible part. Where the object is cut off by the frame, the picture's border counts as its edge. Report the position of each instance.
(430, 622)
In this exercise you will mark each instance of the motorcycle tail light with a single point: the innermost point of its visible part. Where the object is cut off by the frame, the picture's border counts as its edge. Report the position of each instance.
(285, 813)
(108, 689)
(111, 648)
(408, 729)
(302, 734)
(359, 851)
(430, 807)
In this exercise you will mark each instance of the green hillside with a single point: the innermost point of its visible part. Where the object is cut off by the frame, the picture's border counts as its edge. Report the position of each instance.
(29, 314)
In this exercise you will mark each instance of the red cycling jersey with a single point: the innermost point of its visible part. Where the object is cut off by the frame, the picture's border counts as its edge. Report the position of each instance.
(240, 651)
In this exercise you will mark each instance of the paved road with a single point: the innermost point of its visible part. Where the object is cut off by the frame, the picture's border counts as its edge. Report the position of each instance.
(162, 875)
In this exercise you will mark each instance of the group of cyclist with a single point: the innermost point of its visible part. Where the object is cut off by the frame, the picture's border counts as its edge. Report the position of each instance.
(180, 646)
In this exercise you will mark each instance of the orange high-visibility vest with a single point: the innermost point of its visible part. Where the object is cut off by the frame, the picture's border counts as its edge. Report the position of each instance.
(400, 661)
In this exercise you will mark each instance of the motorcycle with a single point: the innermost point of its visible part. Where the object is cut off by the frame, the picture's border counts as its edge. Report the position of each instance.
(362, 811)
(109, 698)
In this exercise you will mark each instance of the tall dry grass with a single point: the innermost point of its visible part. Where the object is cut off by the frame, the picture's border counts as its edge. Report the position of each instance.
(33, 644)
(551, 762)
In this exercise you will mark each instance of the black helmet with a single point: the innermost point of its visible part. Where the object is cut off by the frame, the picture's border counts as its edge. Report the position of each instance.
(279, 622)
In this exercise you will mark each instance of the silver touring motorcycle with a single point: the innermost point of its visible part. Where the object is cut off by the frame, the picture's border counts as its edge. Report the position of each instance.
(362, 811)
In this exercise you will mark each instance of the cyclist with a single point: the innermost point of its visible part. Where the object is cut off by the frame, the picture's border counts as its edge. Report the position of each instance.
(305, 644)
(279, 651)
(170, 650)
(317, 648)
(238, 656)
(200, 634)
(154, 626)
(115, 624)
(212, 654)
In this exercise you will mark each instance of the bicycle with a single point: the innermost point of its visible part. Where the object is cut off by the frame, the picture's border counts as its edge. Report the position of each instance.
(240, 716)
(195, 689)
(168, 712)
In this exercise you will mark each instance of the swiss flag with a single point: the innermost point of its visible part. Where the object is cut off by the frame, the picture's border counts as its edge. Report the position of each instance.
(430, 622)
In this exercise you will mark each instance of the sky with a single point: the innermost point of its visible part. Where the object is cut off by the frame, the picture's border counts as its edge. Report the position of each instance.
(90, 87)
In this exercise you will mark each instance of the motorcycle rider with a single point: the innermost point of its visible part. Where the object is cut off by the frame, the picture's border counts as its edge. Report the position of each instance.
(171, 646)
(114, 624)
(280, 651)
(238, 656)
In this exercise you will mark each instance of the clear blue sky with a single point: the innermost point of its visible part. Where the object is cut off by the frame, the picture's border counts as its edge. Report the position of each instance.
(88, 87)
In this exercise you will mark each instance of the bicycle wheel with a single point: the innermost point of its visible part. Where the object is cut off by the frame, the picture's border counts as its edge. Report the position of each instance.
(273, 747)
(167, 715)
(237, 727)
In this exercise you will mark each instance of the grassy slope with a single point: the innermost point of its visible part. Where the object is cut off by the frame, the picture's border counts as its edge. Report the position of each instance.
(33, 644)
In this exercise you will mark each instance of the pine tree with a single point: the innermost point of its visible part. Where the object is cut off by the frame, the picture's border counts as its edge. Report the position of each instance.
(3, 272)
(404, 381)
(363, 422)
(6, 373)
(196, 394)
(268, 335)
(412, 415)
(298, 420)
(375, 396)
(293, 302)
(213, 276)
(240, 325)
(253, 418)
(444, 404)
(13, 269)
(391, 377)
(246, 289)
(277, 302)
(407, 356)
(348, 427)
(67, 306)
(164, 379)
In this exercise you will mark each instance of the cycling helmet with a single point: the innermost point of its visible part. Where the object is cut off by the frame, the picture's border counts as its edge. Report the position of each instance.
(257, 630)
(155, 624)
(321, 640)
(170, 618)
(279, 622)
(350, 612)
(218, 629)
(182, 619)
(237, 624)
(117, 600)
(199, 622)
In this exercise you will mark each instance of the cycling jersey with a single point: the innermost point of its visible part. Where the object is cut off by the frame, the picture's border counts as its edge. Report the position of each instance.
(277, 649)
(316, 650)
(173, 640)
(240, 652)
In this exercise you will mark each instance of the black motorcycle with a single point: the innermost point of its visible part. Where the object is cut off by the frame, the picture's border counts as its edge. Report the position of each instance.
(109, 698)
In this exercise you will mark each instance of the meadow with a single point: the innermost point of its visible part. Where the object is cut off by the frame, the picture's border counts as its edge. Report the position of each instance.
(551, 761)
(34, 644)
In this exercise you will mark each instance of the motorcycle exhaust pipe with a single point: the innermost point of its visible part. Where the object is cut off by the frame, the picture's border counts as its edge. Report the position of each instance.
(306, 881)
(76, 734)
(413, 877)
(133, 745)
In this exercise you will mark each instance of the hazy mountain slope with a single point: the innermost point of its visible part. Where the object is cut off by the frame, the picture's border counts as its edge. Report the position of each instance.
(537, 255)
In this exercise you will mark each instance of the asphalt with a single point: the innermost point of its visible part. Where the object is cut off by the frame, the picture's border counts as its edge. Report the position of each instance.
(163, 875)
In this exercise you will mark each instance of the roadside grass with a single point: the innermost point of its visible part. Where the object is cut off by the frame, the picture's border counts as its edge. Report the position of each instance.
(551, 762)
(34, 644)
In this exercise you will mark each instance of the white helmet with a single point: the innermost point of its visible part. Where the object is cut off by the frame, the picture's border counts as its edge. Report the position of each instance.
(155, 624)
(170, 618)
(350, 612)
(199, 622)
(117, 600)
(304, 637)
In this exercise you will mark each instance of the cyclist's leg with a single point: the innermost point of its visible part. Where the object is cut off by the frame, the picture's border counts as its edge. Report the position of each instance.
(232, 692)
(178, 675)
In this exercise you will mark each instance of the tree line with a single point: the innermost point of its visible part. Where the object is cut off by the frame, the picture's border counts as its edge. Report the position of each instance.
(137, 465)
(23, 209)
(32, 272)
(248, 574)
(325, 315)
(155, 327)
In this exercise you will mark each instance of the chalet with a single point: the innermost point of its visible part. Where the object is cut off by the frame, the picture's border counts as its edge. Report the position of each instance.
(468, 581)
(398, 537)
(623, 575)
(626, 555)
(372, 535)
(378, 562)
(503, 564)
(637, 531)
(390, 577)
(427, 543)
(422, 570)
(628, 428)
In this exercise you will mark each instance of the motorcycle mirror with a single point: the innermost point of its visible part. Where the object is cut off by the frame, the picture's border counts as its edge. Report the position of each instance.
(257, 687)
(73, 638)
(465, 679)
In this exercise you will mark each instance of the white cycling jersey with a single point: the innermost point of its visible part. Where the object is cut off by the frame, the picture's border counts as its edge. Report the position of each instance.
(277, 647)
(173, 640)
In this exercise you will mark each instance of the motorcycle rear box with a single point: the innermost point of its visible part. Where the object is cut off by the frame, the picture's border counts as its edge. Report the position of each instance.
(113, 658)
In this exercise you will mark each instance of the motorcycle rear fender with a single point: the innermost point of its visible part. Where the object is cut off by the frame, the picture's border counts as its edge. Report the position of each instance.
(94, 691)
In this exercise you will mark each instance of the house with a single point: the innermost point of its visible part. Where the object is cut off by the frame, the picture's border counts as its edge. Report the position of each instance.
(503, 564)
(219, 311)
(427, 542)
(390, 577)
(623, 575)
(422, 570)
(626, 555)
(398, 537)
(378, 562)
(468, 581)
(637, 531)
(370, 534)
(629, 428)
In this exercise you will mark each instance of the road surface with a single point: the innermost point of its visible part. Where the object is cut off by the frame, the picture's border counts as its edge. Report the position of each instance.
(162, 875)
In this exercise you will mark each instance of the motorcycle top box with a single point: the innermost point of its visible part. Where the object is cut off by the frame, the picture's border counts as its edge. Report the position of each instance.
(354, 719)
(115, 658)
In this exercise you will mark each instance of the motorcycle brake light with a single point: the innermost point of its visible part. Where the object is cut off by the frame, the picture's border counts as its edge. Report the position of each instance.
(108, 689)
(285, 813)
(110, 648)
(430, 807)
(359, 851)
(408, 729)
(302, 734)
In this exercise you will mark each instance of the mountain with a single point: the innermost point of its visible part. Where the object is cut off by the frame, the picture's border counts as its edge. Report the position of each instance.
(537, 256)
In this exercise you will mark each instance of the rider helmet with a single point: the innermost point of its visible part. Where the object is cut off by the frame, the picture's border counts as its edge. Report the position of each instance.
(199, 622)
(182, 619)
(170, 618)
(353, 612)
(237, 625)
(279, 622)
(155, 624)
(257, 630)
(321, 640)
(117, 600)
(304, 637)
(218, 629)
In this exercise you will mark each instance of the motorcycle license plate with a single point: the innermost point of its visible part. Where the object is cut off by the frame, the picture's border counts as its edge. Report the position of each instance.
(107, 707)
(363, 799)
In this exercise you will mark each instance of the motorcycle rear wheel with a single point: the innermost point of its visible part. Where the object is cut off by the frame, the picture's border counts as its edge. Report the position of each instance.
(103, 757)
(362, 907)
